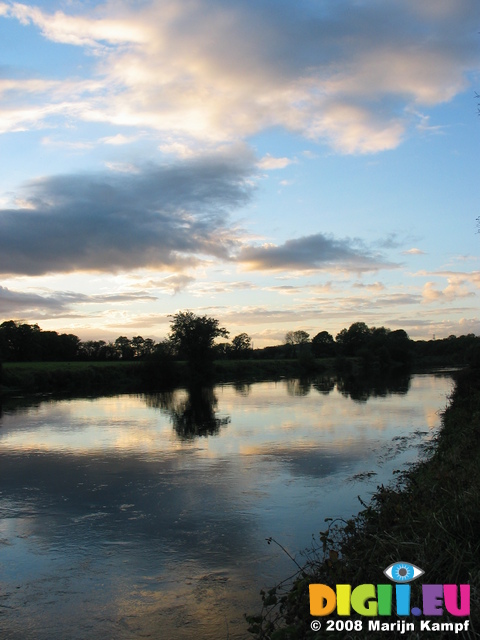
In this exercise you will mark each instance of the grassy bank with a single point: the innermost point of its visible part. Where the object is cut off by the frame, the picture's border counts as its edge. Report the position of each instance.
(430, 519)
(69, 377)
(123, 377)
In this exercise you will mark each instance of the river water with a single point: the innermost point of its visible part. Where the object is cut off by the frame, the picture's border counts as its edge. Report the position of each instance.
(146, 516)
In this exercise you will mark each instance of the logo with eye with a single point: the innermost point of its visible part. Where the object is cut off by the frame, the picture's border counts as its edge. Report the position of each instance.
(403, 572)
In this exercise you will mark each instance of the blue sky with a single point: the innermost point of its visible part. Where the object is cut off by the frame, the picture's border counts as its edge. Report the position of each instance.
(278, 165)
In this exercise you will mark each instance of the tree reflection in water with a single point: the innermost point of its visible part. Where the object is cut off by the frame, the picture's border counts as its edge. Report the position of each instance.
(357, 386)
(298, 386)
(192, 411)
(324, 385)
(192, 415)
(361, 387)
(242, 388)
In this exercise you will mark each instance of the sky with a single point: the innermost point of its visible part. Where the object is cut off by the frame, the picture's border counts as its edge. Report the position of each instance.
(277, 165)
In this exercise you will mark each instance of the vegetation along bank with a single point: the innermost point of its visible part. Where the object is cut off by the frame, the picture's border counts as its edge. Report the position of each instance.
(431, 519)
(37, 361)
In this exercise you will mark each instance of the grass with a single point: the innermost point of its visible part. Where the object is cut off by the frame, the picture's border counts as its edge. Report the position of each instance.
(58, 366)
(431, 518)
(137, 376)
(69, 377)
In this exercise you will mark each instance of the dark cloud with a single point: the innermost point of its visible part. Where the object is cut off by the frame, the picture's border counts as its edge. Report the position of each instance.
(14, 302)
(59, 303)
(162, 216)
(317, 251)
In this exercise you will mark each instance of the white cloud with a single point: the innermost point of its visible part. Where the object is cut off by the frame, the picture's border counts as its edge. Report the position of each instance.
(461, 277)
(216, 70)
(48, 141)
(269, 163)
(77, 30)
(413, 252)
(118, 139)
(178, 149)
(374, 286)
(456, 288)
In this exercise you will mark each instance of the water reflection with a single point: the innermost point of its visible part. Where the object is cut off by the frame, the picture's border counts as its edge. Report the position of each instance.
(242, 388)
(354, 386)
(119, 517)
(361, 388)
(324, 385)
(192, 414)
(201, 402)
(299, 386)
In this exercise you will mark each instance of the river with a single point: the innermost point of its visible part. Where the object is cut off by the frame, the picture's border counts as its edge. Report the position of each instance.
(146, 516)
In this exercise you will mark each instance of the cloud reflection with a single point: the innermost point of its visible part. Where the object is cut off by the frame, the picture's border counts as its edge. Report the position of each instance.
(106, 510)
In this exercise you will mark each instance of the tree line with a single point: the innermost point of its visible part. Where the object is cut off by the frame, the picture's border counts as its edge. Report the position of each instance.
(194, 338)
(191, 337)
(380, 347)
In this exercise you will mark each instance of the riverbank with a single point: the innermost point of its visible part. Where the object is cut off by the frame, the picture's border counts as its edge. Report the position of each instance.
(138, 376)
(23, 378)
(431, 519)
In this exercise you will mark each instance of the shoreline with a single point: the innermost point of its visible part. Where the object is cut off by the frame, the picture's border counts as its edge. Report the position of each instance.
(107, 377)
(429, 518)
(141, 376)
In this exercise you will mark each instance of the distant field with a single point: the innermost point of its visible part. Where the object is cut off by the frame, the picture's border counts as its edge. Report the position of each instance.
(226, 364)
(55, 366)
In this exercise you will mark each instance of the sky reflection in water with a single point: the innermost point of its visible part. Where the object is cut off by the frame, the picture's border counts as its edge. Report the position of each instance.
(134, 515)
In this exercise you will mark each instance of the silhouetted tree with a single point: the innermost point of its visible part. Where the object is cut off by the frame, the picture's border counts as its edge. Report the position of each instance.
(19, 341)
(23, 342)
(377, 348)
(241, 346)
(124, 348)
(138, 344)
(296, 342)
(323, 345)
(452, 350)
(400, 347)
(351, 339)
(57, 347)
(193, 338)
(159, 368)
(142, 347)
(296, 337)
(97, 350)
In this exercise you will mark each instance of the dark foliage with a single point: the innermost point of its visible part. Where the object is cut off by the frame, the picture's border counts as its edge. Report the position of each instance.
(192, 338)
(20, 342)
